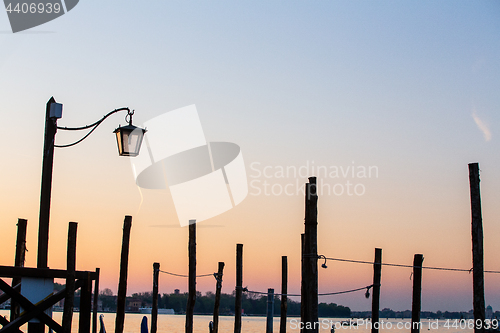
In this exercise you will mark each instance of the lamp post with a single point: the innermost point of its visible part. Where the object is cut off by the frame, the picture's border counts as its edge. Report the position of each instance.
(129, 139)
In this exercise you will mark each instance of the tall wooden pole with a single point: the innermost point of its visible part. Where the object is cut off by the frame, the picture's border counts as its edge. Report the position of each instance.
(477, 247)
(284, 291)
(85, 305)
(218, 289)
(154, 310)
(270, 310)
(70, 278)
(239, 288)
(18, 262)
(417, 293)
(310, 258)
(377, 273)
(302, 279)
(46, 186)
(122, 284)
(192, 277)
(96, 300)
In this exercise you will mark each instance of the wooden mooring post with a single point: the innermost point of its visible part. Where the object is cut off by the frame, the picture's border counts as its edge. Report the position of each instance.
(95, 300)
(284, 290)
(154, 310)
(417, 293)
(122, 284)
(377, 273)
(192, 277)
(218, 288)
(18, 262)
(85, 305)
(302, 297)
(310, 259)
(70, 278)
(239, 288)
(477, 248)
(270, 310)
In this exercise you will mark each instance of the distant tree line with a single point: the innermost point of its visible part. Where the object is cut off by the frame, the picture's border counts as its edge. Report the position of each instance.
(251, 304)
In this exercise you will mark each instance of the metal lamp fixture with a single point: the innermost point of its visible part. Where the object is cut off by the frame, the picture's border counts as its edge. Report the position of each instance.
(129, 142)
(129, 138)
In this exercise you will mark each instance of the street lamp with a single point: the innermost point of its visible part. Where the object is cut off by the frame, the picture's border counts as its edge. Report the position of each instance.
(129, 139)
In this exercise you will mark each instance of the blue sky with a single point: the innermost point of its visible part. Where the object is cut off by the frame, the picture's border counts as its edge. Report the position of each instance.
(393, 84)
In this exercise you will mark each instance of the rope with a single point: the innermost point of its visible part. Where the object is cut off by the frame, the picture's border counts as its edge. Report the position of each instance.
(406, 266)
(245, 289)
(185, 276)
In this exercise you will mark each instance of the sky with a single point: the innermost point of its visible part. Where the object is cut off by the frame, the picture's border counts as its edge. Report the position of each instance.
(407, 89)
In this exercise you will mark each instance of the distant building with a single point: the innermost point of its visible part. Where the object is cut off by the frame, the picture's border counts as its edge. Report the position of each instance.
(133, 305)
(177, 291)
(489, 312)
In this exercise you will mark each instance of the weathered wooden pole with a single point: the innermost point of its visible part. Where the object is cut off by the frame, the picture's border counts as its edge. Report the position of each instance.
(46, 186)
(154, 310)
(218, 288)
(477, 247)
(192, 277)
(302, 279)
(284, 290)
(239, 288)
(85, 305)
(377, 273)
(270, 310)
(417, 292)
(70, 278)
(18, 262)
(310, 257)
(95, 300)
(122, 284)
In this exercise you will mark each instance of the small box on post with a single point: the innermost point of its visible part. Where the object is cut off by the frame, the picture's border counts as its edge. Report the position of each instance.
(56, 110)
(36, 290)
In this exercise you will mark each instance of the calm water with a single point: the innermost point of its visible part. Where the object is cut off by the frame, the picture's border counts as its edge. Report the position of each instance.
(175, 324)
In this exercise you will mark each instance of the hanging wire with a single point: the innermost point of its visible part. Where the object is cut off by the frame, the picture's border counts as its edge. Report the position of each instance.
(401, 265)
(245, 289)
(185, 276)
(93, 126)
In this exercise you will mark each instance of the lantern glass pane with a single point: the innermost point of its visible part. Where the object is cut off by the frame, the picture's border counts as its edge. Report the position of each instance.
(119, 142)
(125, 142)
(133, 140)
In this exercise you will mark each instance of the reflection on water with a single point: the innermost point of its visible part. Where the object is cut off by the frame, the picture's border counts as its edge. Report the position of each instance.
(175, 324)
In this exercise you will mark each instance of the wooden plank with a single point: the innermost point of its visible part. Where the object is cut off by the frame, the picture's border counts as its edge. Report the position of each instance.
(33, 311)
(11, 272)
(4, 297)
(5, 322)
